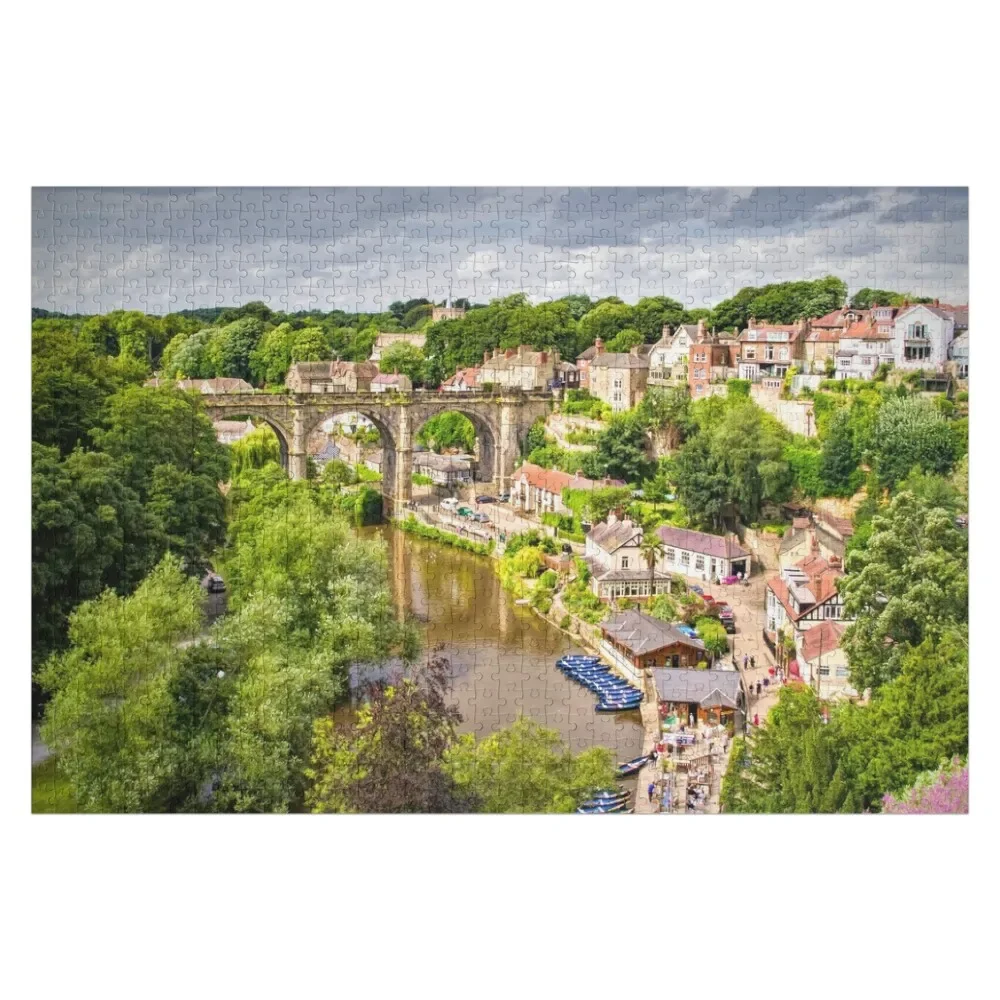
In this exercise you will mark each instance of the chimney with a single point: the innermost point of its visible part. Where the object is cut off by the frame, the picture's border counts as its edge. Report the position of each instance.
(520, 350)
(598, 346)
(496, 353)
(486, 356)
(510, 353)
(751, 322)
(667, 331)
(701, 330)
(802, 325)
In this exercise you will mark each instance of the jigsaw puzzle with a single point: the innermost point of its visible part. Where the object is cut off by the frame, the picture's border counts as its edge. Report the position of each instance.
(498, 499)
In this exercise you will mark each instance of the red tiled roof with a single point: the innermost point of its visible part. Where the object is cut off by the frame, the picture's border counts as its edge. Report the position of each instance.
(555, 481)
(464, 376)
(822, 582)
(843, 525)
(699, 541)
(822, 638)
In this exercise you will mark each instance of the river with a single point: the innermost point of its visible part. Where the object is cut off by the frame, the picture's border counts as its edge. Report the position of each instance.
(502, 656)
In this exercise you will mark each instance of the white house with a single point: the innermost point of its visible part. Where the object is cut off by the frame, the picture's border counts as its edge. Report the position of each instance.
(617, 566)
(804, 595)
(391, 382)
(921, 337)
(698, 554)
(822, 663)
(672, 349)
(958, 351)
(861, 350)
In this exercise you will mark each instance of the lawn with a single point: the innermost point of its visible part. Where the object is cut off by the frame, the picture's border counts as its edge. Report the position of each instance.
(50, 791)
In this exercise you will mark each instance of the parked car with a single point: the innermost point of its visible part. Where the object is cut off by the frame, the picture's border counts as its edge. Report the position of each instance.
(214, 584)
(727, 616)
(698, 590)
(485, 498)
(707, 598)
(464, 512)
(449, 503)
(482, 518)
(504, 498)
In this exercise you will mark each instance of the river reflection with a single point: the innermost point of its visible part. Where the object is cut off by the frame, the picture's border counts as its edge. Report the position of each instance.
(502, 656)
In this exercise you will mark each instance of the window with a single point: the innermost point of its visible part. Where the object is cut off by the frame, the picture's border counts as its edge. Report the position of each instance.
(685, 558)
(831, 610)
(769, 353)
(843, 672)
(699, 388)
(701, 356)
(919, 352)
(699, 562)
(750, 352)
(624, 562)
(699, 373)
(670, 555)
(784, 354)
(824, 671)
(751, 334)
(917, 330)
(618, 382)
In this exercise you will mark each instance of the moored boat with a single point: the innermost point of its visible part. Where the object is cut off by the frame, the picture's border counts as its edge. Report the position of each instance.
(632, 766)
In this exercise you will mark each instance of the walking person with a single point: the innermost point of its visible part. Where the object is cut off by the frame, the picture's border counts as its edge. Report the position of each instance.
(745, 660)
(758, 689)
(752, 663)
(651, 790)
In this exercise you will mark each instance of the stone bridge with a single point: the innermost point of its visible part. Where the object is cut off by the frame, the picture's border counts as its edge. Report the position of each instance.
(501, 419)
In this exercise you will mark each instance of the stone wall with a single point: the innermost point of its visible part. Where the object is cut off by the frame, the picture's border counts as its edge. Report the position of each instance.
(795, 414)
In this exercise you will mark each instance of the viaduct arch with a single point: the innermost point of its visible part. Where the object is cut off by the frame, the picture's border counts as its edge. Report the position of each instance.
(502, 421)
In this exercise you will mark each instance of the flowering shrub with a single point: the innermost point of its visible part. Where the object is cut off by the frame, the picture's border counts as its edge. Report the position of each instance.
(943, 791)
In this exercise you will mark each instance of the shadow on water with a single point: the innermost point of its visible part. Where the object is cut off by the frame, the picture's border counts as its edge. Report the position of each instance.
(502, 656)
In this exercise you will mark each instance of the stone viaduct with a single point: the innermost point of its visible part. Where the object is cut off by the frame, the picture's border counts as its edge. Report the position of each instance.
(501, 419)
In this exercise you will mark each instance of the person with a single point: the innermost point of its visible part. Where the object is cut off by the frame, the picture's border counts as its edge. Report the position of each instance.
(745, 660)
(691, 718)
(651, 790)
(652, 755)
(756, 719)
(758, 689)
(752, 663)
(739, 576)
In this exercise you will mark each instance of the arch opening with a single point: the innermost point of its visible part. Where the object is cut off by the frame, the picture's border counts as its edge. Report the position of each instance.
(454, 447)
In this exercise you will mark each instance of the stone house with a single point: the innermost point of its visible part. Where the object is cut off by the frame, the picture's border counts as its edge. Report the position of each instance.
(768, 351)
(698, 554)
(921, 336)
(386, 340)
(619, 379)
(520, 368)
(583, 362)
(712, 358)
(331, 376)
(444, 470)
(617, 567)
(439, 313)
(566, 376)
(206, 386)
(231, 431)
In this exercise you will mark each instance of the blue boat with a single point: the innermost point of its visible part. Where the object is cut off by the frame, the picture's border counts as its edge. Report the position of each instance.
(603, 706)
(617, 807)
(632, 766)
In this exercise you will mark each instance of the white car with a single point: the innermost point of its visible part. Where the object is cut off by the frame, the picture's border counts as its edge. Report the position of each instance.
(449, 503)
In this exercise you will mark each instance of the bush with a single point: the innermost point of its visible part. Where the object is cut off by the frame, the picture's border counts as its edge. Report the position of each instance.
(419, 479)
(565, 622)
(738, 387)
(414, 527)
(527, 562)
(549, 579)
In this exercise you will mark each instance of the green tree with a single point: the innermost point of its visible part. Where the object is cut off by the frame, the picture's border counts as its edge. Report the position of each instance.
(651, 550)
(909, 432)
(907, 583)
(668, 410)
(527, 769)
(110, 708)
(701, 482)
(620, 451)
(272, 356)
(406, 360)
(605, 320)
(256, 450)
(448, 431)
(309, 344)
(839, 463)
(623, 341)
(713, 635)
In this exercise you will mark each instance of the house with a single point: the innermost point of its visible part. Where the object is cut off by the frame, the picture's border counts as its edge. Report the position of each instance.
(832, 533)
(616, 564)
(566, 375)
(820, 661)
(331, 376)
(803, 595)
(861, 349)
(206, 386)
(619, 379)
(584, 360)
(520, 368)
(386, 340)
(444, 470)
(391, 382)
(325, 451)
(534, 489)
(635, 642)
(825, 333)
(712, 358)
(921, 336)
(447, 311)
(958, 351)
(230, 431)
(696, 553)
(767, 351)
(464, 380)
(670, 352)
(703, 697)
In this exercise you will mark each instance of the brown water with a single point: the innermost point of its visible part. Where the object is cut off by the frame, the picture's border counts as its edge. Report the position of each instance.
(502, 655)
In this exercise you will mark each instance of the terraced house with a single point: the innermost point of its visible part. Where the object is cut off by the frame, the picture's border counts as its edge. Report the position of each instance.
(768, 351)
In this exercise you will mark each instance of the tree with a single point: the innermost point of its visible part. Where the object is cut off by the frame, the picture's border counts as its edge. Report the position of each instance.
(620, 452)
(667, 409)
(526, 768)
(448, 431)
(908, 582)
(713, 635)
(255, 450)
(701, 482)
(943, 791)
(309, 344)
(839, 462)
(909, 432)
(623, 341)
(89, 531)
(604, 321)
(406, 360)
(229, 349)
(536, 437)
(390, 759)
(110, 704)
(651, 550)
(272, 356)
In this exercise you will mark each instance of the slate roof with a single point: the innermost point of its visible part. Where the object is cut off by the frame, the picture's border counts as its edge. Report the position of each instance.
(708, 688)
(642, 634)
(612, 537)
(698, 541)
(610, 359)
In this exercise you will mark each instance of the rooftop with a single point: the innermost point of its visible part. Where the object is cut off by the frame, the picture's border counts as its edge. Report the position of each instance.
(708, 688)
(698, 541)
(822, 638)
(555, 481)
(643, 634)
(611, 535)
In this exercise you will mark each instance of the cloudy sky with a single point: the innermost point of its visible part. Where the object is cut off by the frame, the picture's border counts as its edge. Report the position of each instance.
(164, 249)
